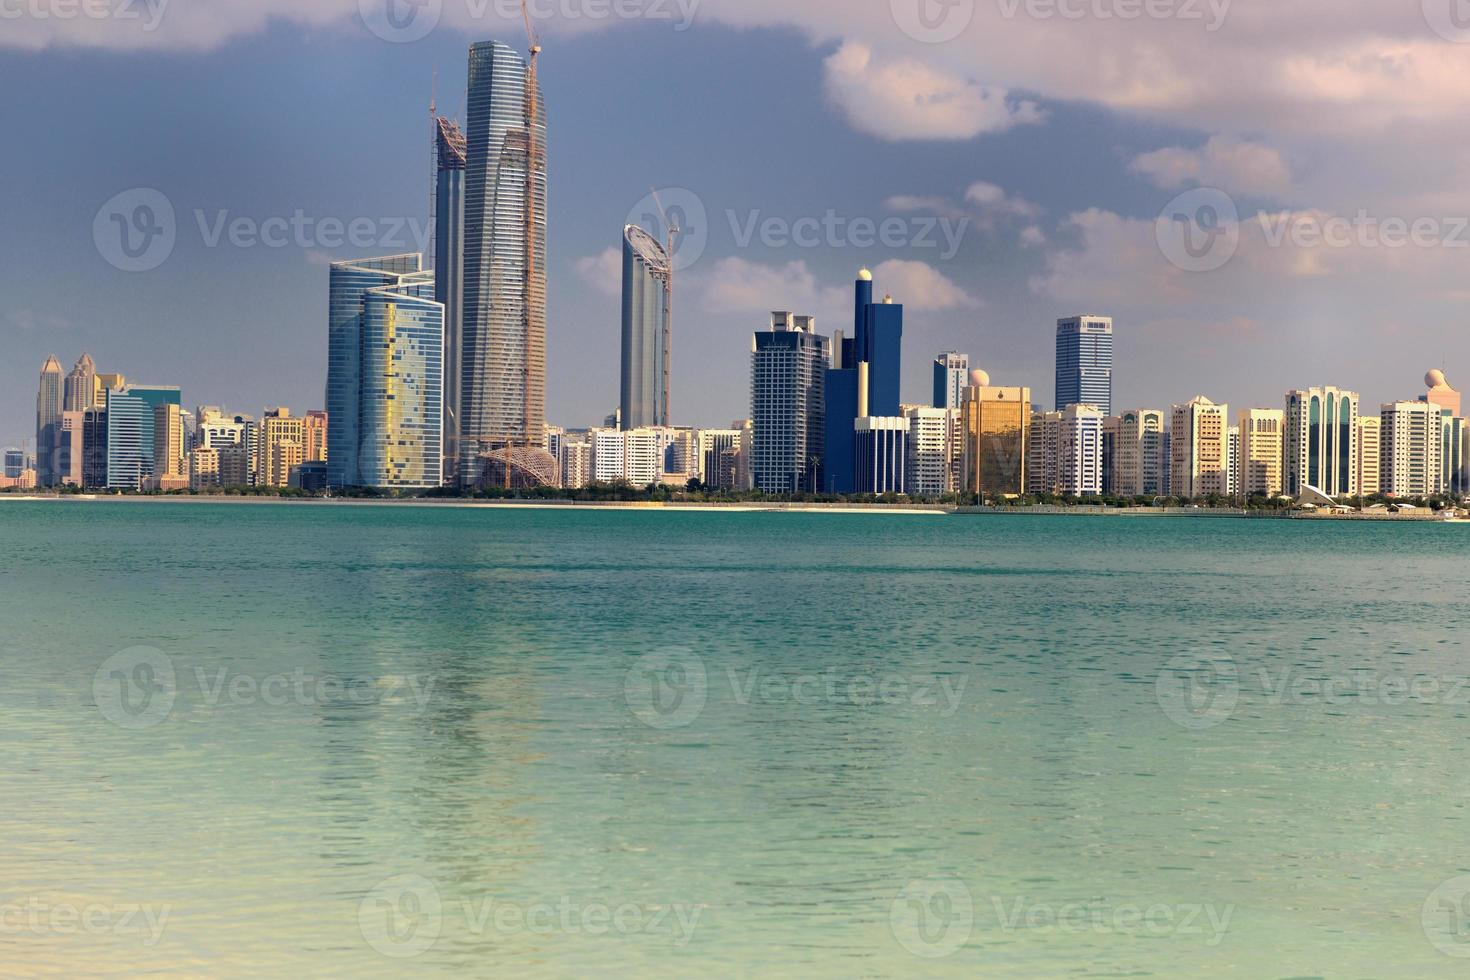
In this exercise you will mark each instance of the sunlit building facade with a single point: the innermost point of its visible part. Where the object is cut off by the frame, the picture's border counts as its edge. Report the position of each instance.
(996, 428)
(1319, 445)
(401, 404)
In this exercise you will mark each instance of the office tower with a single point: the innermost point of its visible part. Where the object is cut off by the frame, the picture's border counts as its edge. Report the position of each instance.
(131, 433)
(1369, 454)
(1065, 452)
(450, 157)
(349, 283)
(314, 432)
(281, 447)
(1199, 445)
(996, 426)
(787, 386)
(863, 380)
(503, 393)
(1441, 394)
(714, 445)
(1411, 448)
(169, 470)
(647, 302)
(932, 449)
(1452, 453)
(881, 454)
(102, 384)
(94, 447)
(401, 400)
(1085, 362)
(49, 399)
(15, 463)
(81, 386)
(71, 448)
(951, 376)
(1319, 445)
(1261, 446)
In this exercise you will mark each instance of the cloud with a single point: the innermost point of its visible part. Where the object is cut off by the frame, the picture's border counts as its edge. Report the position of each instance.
(1032, 237)
(921, 287)
(1232, 165)
(603, 271)
(736, 285)
(992, 198)
(904, 100)
(29, 321)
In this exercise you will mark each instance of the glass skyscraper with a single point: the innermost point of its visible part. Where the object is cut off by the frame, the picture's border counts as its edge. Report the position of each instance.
(1085, 362)
(646, 281)
(48, 422)
(401, 401)
(349, 282)
(130, 432)
(449, 147)
(787, 405)
(863, 382)
(503, 388)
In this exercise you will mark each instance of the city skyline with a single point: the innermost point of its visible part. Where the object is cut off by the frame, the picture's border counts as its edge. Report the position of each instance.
(78, 301)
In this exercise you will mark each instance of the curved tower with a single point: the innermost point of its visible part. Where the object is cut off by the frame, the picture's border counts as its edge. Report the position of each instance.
(647, 277)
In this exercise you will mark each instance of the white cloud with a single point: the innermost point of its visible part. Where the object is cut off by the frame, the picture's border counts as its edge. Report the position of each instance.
(992, 198)
(900, 99)
(1032, 237)
(921, 287)
(1236, 166)
(738, 286)
(603, 271)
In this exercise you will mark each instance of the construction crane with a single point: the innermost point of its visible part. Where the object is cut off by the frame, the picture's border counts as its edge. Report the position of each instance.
(671, 230)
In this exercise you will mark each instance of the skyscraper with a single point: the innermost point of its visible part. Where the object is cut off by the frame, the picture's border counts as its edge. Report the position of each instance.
(787, 384)
(449, 147)
(281, 447)
(1140, 454)
(1085, 362)
(1412, 448)
(503, 391)
(1320, 443)
(131, 445)
(647, 279)
(1261, 432)
(951, 376)
(1199, 442)
(350, 281)
(863, 381)
(81, 385)
(48, 422)
(401, 403)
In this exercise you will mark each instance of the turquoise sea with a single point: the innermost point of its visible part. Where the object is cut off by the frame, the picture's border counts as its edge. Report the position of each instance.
(317, 740)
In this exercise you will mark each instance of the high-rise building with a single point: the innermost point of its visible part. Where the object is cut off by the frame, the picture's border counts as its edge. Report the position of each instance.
(1261, 434)
(1232, 470)
(714, 444)
(71, 448)
(1452, 453)
(881, 451)
(647, 302)
(1200, 445)
(15, 463)
(105, 383)
(350, 282)
(1065, 455)
(81, 386)
(951, 377)
(787, 405)
(575, 455)
(131, 433)
(1440, 393)
(1319, 445)
(314, 431)
(503, 392)
(932, 449)
(1412, 448)
(996, 425)
(1370, 451)
(449, 253)
(863, 381)
(634, 456)
(94, 447)
(49, 401)
(1085, 362)
(401, 401)
(281, 447)
(1135, 463)
(170, 451)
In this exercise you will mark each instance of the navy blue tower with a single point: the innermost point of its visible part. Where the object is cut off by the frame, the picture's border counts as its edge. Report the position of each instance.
(864, 382)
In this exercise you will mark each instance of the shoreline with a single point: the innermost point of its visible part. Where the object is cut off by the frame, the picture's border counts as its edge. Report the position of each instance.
(922, 510)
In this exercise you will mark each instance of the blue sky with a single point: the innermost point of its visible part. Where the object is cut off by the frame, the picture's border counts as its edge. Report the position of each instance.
(1053, 144)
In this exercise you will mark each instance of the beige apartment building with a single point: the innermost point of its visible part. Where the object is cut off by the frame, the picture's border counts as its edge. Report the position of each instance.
(1199, 449)
(1261, 432)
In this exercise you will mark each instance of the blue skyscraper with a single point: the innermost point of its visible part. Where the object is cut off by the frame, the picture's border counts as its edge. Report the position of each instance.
(401, 401)
(130, 432)
(647, 276)
(449, 151)
(864, 381)
(1085, 362)
(787, 377)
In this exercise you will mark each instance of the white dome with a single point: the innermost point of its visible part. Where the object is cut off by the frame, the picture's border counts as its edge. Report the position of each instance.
(864, 275)
(979, 379)
(1436, 379)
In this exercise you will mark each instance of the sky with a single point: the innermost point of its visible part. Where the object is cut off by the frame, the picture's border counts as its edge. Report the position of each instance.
(1265, 195)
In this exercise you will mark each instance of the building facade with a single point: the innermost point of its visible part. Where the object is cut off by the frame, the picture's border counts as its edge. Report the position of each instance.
(647, 305)
(951, 378)
(1319, 445)
(881, 451)
(1370, 454)
(1412, 435)
(449, 253)
(996, 424)
(1262, 431)
(1200, 448)
(401, 402)
(1085, 362)
(787, 405)
(49, 403)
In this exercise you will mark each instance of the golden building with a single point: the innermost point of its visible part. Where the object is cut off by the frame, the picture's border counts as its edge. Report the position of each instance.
(281, 445)
(995, 423)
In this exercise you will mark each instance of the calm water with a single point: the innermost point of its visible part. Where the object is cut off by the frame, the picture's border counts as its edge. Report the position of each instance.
(384, 741)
